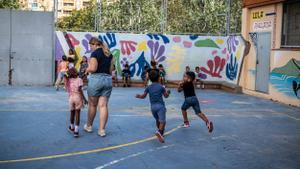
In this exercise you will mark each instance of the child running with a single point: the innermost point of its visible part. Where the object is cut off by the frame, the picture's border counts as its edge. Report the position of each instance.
(76, 99)
(63, 68)
(191, 100)
(158, 107)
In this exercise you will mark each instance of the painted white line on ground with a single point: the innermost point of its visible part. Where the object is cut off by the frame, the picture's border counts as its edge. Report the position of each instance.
(133, 155)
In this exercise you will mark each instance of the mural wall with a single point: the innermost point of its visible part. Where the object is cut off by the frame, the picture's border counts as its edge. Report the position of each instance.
(219, 58)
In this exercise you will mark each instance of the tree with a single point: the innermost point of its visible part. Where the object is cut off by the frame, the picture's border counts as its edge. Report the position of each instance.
(183, 16)
(81, 20)
(9, 4)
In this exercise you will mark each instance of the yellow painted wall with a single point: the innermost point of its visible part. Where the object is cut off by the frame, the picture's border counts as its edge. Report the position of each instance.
(280, 87)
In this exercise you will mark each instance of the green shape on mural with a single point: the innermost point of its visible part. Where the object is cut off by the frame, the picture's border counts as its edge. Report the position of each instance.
(292, 68)
(206, 43)
(116, 53)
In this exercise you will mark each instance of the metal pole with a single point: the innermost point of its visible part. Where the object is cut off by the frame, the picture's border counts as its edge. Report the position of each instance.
(55, 7)
(228, 17)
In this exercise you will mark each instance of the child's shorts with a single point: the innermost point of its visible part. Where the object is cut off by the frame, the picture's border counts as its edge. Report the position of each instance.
(159, 112)
(191, 102)
(75, 102)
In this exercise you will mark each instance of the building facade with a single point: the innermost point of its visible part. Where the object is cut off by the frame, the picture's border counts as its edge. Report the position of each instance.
(272, 67)
(64, 8)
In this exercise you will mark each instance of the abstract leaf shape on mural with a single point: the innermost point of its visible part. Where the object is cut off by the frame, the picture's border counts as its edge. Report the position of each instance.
(137, 67)
(206, 43)
(232, 43)
(127, 47)
(214, 67)
(59, 52)
(85, 43)
(157, 51)
(158, 36)
(194, 37)
(109, 39)
(231, 68)
(73, 40)
(116, 53)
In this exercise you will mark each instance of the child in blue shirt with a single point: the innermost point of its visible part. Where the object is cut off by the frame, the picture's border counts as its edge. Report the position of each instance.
(191, 100)
(158, 108)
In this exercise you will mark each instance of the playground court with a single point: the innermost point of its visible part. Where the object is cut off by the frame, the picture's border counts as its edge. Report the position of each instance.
(249, 133)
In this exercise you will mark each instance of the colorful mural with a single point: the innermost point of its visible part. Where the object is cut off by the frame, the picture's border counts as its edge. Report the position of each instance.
(286, 79)
(219, 58)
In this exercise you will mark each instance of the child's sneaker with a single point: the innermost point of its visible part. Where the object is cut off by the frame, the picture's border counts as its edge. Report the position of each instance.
(101, 133)
(160, 137)
(185, 124)
(87, 128)
(210, 126)
(71, 130)
(76, 134)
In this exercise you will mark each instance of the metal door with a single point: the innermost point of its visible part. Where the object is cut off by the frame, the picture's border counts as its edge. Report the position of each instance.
(263, 62)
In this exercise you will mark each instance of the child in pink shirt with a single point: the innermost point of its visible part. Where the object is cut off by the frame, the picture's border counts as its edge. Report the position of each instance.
(76, 99)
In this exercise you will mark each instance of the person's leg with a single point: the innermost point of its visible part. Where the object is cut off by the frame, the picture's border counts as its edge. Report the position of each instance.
(196, 107)
(77, 117)
(129, 81)
(184, 108)
(72, 115)
(124, 81)
(92, 109)
(102, 104)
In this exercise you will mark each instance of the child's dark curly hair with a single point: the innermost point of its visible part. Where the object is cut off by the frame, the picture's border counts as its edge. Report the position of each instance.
(154, 75)
(191, 75)
(73, 73)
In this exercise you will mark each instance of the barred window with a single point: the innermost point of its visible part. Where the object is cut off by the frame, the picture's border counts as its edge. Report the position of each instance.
(290, 36)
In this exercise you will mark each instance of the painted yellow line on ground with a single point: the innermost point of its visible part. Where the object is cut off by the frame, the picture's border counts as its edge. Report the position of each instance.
(85, 152)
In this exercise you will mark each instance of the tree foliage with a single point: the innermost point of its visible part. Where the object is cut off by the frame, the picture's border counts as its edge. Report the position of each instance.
(9, 4)
(183, 16)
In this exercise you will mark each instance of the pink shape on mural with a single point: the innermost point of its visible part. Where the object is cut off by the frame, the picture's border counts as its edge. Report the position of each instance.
(177, 39)
(127, 47)
(72, 39)
(187, 44)
(214, 67)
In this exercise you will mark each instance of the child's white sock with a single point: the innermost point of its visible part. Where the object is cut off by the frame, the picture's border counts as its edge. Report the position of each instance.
(72, 126)
(76, 128)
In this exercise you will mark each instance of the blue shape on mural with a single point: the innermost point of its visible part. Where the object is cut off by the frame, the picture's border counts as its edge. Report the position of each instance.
(296, 88)
(231, 68)
(85, 43)
(193, 37)
(157, 37)
(140, 63)
(59, 52)
(109, 39)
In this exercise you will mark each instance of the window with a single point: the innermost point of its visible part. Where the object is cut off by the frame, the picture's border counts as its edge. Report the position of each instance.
(67, 12)
(290, 36)
(68, 4)
(34, 5)
(85, 4)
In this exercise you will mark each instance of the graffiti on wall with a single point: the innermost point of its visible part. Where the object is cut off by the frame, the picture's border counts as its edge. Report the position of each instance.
(286, 79)
(219, 58)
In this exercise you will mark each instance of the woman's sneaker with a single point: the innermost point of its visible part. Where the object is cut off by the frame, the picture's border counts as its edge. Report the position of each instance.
(101, 133)
(185, 124)
(76, 134)
(87, 128)
(160, 137)
(210, 126)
